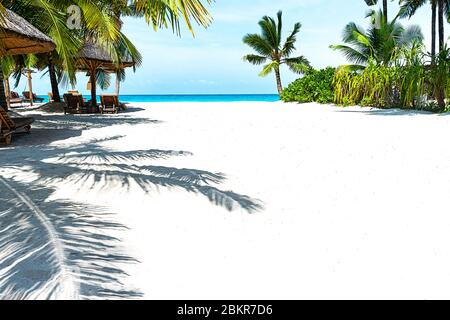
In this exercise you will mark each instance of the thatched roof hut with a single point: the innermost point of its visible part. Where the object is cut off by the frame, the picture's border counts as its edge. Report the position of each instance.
(18, 36)
(92, 58)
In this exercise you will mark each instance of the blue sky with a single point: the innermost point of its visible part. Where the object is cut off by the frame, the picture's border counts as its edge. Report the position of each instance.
(212, 61)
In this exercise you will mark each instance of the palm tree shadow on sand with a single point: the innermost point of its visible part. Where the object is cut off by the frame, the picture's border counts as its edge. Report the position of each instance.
(64, 249)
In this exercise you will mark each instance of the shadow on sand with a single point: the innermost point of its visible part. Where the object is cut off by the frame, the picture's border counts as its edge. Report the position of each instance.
(54, 249)
(386, 112)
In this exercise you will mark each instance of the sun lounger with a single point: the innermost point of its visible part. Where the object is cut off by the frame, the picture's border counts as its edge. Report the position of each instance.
(109, 104)
(75, 104)
(15, 98)
(26, 95)
(10, 125)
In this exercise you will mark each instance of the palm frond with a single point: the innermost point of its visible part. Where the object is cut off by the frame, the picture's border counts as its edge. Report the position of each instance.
(412, 34)
(410, 7)
(269, 68)
(165, 13)
(298, 65)
(103, 79)
(259, 44)
(255, 59)
(269, 32)
(351, 54)
(289, 45)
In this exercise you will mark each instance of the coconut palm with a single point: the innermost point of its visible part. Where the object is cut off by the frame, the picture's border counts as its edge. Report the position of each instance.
(410, 7)
(379, 44)
(269, 48)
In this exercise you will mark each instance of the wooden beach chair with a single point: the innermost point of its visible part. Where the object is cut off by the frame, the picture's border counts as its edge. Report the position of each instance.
(15, 98)
(27, 96)
(109, 104)
(9, 125)
(75, 104)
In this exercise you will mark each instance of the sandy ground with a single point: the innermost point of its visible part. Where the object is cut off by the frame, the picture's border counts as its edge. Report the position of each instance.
(227, 201)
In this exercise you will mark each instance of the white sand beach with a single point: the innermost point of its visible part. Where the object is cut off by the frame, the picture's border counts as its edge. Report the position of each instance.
(227, 201)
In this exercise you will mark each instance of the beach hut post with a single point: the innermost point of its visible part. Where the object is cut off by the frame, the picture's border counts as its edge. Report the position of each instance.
(92, 67)
(30, 86)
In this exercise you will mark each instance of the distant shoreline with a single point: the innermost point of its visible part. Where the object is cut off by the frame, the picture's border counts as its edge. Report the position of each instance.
(192, 97)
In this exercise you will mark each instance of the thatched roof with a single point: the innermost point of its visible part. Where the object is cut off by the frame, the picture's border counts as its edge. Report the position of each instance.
(18, 36)
(92, 55)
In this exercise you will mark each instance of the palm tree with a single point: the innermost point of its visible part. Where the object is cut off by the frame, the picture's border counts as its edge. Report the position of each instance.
(269, 48)
(409, 8)
(438, 8)
(380, 43)
(385, 6)
(443, 10)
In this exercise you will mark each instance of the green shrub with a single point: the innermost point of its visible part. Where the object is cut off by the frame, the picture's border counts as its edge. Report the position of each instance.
(412, 82)
(375, 86)
(314, 86)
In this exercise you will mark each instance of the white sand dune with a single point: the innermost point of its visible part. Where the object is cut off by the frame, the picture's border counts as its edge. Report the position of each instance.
(227, 200)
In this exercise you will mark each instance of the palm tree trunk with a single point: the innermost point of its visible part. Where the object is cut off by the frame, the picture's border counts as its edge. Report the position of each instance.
(3, 102)
(278, 78)
(94, 89)
(53, 81)
(7, 92)
(440, 94)
(441, 24)
(385, 10)
(433, 28)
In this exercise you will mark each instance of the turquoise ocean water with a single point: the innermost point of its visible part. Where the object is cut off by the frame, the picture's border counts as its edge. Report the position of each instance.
(195, 98)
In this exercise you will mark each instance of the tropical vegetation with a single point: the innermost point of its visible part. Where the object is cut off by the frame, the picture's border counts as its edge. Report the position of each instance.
(271, 51)
(315, 86)
(440, 9)
(381, 43)
(388, 64)
(101, 22)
